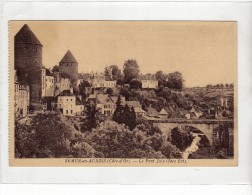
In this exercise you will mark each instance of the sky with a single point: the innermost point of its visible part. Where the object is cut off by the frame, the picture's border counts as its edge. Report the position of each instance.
(204, 52)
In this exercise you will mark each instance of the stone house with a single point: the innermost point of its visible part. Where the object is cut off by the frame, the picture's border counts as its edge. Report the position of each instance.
(69, 104)
(149, 81)
(21, 99)
(98, 80)
(61, 84)
(48, 83)
(104, 103)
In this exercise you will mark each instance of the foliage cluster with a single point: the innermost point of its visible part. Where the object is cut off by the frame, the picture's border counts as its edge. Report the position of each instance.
(124, 114)
(172, 80)
(181, 138)
(108, 140)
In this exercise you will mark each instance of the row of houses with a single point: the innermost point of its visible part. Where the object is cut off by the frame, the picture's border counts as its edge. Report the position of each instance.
(106, 104)
(72, 105)
(53, 85)
(168, 112)
(99, 80)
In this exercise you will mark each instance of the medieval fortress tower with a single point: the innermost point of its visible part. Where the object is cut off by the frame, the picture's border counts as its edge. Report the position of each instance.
(69, 66)
(29, 66)
(28, 60)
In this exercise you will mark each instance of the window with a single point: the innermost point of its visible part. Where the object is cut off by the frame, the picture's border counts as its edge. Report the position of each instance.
(66, 111)
(71, 111)
(71, 99)
(66, 99)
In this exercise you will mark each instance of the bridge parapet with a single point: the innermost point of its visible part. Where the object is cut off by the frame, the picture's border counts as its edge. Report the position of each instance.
(190, 121)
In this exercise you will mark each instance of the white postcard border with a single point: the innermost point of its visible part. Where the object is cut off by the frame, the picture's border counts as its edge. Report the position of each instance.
(228, 11)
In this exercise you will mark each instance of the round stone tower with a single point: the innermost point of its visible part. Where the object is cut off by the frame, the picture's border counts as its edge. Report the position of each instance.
(69, 66)
(28, 60)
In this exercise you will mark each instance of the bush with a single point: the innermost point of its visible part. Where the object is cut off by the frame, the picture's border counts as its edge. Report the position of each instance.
(170, 151)
(82, 150)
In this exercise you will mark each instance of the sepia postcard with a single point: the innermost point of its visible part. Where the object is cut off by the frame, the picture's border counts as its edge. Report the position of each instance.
(123, 93)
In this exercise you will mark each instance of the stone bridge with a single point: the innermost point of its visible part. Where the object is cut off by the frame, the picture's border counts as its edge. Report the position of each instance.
(206, 126)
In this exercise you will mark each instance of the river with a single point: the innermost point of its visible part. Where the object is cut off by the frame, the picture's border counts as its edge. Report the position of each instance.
(193, 147)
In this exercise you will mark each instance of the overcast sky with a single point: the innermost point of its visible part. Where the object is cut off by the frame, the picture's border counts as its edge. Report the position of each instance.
(204, 52)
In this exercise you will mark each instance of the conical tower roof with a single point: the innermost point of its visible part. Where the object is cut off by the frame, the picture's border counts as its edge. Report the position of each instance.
(25, 35)
(68, 57)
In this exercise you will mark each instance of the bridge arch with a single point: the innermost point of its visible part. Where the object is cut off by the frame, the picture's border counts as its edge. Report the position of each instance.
(194, 128)
(206, 129)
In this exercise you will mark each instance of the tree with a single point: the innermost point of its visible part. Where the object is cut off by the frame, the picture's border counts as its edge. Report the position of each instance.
(82, 149)
(55, 69)
(161, 77)
(170, 151)
(110, 91)
(37, 140)
(132, 119)
(120, 81)
(91, 120)
(124, 115)
(113, 71)
(108, 72)
(76, 91)
(117, 117)
(113, 140)
(116, 72)
(144, 125)
(82, 87)
(129, 117)
(181, 137)
(126, 93)
(175, 81)
(135, 84)
(130, 70)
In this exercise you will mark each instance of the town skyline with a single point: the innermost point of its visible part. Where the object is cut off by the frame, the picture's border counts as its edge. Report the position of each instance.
(131, 40)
